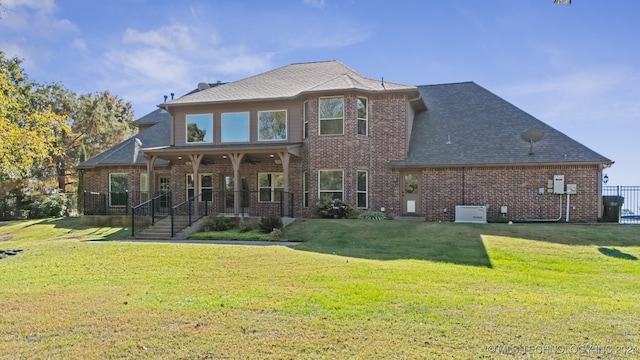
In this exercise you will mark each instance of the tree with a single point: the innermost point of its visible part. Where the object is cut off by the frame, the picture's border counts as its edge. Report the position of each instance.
(95, 123)
(562, 2)
(28, 128)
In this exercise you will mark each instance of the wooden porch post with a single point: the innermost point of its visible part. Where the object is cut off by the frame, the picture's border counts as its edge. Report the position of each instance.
(285, 157)
(150, 176)
(196, 159)
(236, 159)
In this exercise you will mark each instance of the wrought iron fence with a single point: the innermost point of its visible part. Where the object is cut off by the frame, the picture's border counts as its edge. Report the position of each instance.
(112, 203)
(621, 204)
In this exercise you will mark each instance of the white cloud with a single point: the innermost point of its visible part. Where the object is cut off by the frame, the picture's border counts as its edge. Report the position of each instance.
(168, 37)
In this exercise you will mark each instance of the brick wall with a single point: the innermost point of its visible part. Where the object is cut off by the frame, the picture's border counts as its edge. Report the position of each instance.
(350, 152)
(515, 187)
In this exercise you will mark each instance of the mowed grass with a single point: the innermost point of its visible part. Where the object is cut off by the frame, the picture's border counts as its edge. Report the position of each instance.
(351, 289)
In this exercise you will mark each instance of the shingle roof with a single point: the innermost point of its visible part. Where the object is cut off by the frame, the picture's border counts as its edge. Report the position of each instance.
(465, 124)
(128, 151)
(290, 81)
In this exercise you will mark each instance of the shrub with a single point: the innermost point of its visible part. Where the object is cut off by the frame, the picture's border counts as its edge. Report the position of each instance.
(270, 222)
(48, 206)
(372, 215)
(245, 226)
(336, 208)
(275, 234)
(218, 223)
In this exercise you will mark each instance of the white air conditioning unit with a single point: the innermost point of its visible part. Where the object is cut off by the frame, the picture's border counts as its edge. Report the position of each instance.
(471, 214)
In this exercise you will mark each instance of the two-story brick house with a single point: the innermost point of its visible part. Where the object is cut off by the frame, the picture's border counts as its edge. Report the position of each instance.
(304, 131)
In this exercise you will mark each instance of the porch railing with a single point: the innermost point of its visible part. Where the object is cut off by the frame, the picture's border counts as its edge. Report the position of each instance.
(147, 213)
(250, 203)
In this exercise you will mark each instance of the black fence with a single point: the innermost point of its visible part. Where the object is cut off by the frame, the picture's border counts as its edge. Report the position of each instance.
(621, 204)
(249, 203)
(114, 203)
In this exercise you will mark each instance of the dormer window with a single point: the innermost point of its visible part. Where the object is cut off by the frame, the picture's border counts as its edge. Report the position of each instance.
(199, 128)
(331, 115)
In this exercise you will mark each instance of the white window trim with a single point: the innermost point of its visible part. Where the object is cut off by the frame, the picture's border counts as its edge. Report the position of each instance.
(186, 182)
(286, 125)
(329, 191)
(110, 192)
(273, 191)
(186, 130)
(305, 119)
(366, 119)
(321, 120)
(366, 190)
(248, 127)
(305, 189)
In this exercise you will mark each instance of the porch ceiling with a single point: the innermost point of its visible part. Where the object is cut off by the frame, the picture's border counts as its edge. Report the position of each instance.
(253, 154)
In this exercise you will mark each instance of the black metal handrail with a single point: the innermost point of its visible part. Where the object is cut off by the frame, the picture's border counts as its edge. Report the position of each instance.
(184, 214)
(147, 213)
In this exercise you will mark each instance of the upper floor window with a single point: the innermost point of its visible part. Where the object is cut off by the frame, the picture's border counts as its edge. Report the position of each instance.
(235, 127)
(272, 125)
(331, 115)
(305, 119)
(200, 128)
(363, 116)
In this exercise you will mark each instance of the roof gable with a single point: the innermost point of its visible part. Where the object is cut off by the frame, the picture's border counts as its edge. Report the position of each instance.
(288, 82)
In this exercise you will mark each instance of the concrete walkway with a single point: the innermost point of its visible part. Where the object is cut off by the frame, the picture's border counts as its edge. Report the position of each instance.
(216, 242)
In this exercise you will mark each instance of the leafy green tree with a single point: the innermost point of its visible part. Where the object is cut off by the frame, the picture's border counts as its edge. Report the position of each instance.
(95, 122)
(562, 1)
(28, 127)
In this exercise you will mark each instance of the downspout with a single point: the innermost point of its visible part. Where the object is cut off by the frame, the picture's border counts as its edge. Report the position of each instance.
(550, 220)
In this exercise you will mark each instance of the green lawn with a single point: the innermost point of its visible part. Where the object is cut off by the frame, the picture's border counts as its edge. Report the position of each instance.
(351, 289)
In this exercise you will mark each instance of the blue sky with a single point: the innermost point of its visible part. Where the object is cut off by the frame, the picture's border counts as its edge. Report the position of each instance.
(575, 67)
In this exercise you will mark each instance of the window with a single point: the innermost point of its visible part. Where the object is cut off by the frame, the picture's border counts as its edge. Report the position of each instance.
(144, 187)
(270, 187)
(235, 127)
(200, 128)
(206, 187)
(363, 112)
(305, 189)
(118, 190)
(362, 189)
(305, 120)
(331, 115)
(330, 184)
(272, 125)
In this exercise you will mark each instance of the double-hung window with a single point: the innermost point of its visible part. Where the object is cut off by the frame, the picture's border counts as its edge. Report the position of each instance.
(272, 125)
(199, 128)
(331, 184)
(118, 195)
(362, 189)
(363, 116)
(206, 187)
(305, 120)
(331, 115)
(270, 187)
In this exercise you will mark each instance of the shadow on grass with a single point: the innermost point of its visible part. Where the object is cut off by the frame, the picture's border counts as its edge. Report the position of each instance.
(617, 254)
(87, 232)
(391, 240)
